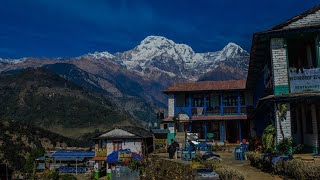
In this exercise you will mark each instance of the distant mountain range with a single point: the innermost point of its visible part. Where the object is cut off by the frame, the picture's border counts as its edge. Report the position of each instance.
(133, 80)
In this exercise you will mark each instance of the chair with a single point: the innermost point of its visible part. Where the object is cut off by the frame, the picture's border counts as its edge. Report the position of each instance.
(238, 153)
(203, 146)
(245, 147)
(210, 110)
(194, 111)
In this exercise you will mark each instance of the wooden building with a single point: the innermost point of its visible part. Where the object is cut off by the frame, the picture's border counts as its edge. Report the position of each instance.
(215, 110)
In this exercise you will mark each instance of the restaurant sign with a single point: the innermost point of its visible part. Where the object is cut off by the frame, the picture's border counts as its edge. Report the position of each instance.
(306, 80)
(124, 156)
(160, 143)
(101, 152)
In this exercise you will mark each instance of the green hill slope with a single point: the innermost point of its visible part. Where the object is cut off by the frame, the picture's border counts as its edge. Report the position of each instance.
(44, 99)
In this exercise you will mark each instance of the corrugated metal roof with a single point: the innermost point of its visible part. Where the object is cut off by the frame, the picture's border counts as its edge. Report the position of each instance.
(226, 117)
(126, 132)
(206, 86)
(117, 133)
(73, 154)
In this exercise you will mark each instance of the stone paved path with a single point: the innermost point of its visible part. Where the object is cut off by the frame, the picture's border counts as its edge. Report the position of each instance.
(251, 173)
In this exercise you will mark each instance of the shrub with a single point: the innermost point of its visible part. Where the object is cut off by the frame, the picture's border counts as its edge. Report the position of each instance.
(254, 159)
(302, 170)
(227, 173)
(50, 175)
(214, 164)
(268, 139)
(255, 143)
(67, 177)
(224, 171)
(196, 165)
(285, 146)
(295, 168)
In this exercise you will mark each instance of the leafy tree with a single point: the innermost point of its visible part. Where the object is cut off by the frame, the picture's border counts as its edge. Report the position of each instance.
(29, 165)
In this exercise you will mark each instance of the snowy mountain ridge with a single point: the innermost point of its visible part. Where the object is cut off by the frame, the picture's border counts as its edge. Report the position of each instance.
(157, 52)
(156, 55)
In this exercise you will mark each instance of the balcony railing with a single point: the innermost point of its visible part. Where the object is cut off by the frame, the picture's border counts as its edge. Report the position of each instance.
(212, 111)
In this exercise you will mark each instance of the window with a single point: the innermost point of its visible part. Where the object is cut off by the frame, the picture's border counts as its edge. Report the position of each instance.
(197, 101)
(232, 99)
(187, 99)
(117, 145)
(302, 53)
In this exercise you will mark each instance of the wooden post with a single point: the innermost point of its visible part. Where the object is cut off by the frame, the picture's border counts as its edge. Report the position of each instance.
(239, 103)
(205, 131)
(222, 130)
(240, 131)
(190, 101)
(221, 104)
(204, 104)
(76, 166)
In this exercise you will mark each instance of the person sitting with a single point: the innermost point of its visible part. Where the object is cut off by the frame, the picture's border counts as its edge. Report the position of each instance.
(191, 147)
(171, 151)
(172, 148)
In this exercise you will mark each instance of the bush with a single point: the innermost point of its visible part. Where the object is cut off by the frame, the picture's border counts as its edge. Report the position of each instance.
(224, 171)
(268, 139)
(285, 146)
(295, 168)
(302, 170)
(67, 177)
(50, 175)
(214, 164)
(227, 173)
(255, 143)
(254, 159)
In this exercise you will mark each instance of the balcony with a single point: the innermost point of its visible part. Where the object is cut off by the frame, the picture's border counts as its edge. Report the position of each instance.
(212, 111)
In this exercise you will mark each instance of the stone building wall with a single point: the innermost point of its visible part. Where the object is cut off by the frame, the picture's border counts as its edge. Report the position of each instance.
(171, 105)
(279, 65)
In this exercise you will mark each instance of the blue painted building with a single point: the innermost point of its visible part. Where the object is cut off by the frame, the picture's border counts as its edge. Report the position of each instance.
(216, 110)
(284, 76)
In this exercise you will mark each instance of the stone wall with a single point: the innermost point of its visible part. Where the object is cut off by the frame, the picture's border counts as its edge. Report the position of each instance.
(280, 65)
(284, 124)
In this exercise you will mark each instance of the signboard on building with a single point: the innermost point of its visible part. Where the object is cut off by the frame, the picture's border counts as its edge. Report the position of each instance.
(306, 80)
(124, 156)
(160, 143)
(101, 152)
(171, 129)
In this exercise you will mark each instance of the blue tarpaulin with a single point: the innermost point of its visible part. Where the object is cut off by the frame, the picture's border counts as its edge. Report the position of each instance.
(113, 157)
(68, 155)
(73, 154)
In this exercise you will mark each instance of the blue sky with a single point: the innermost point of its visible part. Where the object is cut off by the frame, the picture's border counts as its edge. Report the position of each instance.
(66, 28)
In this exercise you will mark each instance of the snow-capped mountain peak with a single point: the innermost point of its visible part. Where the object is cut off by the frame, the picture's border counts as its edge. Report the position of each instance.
(231, 50)
(12, 61)
(154, 46)
(99, 55)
